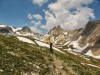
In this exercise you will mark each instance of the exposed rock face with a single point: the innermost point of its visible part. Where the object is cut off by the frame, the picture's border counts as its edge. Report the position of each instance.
(90, 26)
(90, 36)
(56, 31)
(5, 29)
(60, 36)
(83, 39)
(26, 29)
(55, 35)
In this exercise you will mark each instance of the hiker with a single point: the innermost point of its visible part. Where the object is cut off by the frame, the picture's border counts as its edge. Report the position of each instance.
(51, 49)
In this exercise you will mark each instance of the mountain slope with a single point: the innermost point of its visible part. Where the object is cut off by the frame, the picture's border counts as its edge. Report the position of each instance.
(93, 36)
(79, 40)
(20, 58)
(25, 31)
(4, 29)
(55, 35)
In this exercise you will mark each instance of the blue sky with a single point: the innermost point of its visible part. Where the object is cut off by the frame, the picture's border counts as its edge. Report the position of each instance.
(96, 7)
(15, 13)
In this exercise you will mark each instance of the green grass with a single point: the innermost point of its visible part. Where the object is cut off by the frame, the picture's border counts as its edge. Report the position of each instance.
(75, 61)
(17, 57)
(24, 56)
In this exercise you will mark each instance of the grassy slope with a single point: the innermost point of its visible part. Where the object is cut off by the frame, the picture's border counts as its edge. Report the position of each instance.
(75, 62)
(17, 58)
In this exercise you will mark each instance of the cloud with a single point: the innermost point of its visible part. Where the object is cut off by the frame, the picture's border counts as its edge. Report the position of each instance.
(36, 24)
(35, 20)
(35, 29)
(34, 16)
(29, 16)
(39, 2)
(69, 14)
(37, 16)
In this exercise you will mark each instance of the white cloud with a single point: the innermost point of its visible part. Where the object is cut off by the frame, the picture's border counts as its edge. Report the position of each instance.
(34, 16)
(29, 16)
(37, 16)
(43, 26)
(36, 24)
(35, 20)
(70, 14)
(68, 4)
(39, 2)
(35, 29)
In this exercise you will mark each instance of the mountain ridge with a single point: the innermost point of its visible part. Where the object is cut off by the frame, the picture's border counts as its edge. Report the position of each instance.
(83, 40)
(23, 58)
(88, 36)
(27, 55)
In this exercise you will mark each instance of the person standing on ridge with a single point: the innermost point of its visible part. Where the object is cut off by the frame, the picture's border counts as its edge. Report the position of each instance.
(51, 49)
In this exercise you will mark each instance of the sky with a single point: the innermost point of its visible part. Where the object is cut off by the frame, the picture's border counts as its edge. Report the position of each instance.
(43, 15)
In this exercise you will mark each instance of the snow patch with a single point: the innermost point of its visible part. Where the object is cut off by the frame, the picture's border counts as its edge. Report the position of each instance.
(65, 33)
(25, 40)
(46, 45)
(67, 42)
(79, 49)
(93, 65)
(1, 70)
(15, 29)
(3, 25)
(89, 53)
(90, 65)
(24, 34)
(84, 57)
(75, 45)
(36, 38)
(41, 43)
(79, 38)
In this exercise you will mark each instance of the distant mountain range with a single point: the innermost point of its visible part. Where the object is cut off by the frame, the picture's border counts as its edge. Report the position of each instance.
(25, 31)
(23, 52)
(84, 40)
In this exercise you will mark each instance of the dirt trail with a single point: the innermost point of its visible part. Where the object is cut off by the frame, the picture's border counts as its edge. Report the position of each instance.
(61, 68)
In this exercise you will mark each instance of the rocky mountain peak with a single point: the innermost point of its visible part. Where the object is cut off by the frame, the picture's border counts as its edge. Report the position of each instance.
(90, 26)
(97, 22)
(26, 29)
(5, 29)
(56, 30)
(58, 27)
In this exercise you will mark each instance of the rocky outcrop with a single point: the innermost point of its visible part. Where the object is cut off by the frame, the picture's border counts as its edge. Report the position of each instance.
(91, 34)
(6, 29)
(55, 35)
(26, 29)
(86, 39)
